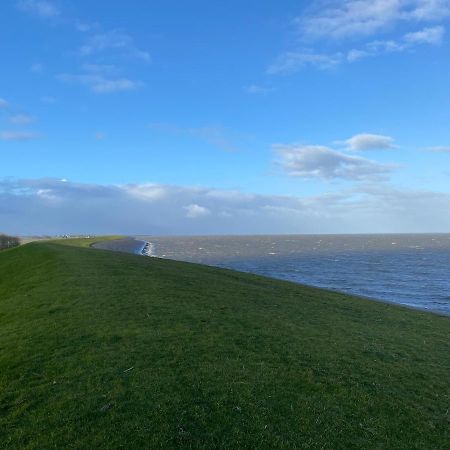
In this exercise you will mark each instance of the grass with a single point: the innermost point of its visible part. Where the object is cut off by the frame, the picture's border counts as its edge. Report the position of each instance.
(85, 242)
(104, 350)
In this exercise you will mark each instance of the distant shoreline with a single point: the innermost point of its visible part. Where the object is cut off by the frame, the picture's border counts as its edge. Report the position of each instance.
(146, 248)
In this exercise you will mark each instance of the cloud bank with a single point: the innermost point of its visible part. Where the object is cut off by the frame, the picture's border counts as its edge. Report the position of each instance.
(49, 206)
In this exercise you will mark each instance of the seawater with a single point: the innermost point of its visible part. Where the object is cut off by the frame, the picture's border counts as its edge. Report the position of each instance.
(409, 269)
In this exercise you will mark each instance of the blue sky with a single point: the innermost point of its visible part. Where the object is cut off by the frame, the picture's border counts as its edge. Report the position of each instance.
(224, 117)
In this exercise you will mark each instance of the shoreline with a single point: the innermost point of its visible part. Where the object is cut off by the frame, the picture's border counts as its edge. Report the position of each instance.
(361, 296)
(147, 248)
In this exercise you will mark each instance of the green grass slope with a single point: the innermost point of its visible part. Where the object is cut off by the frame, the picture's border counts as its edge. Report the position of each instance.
(103, 350)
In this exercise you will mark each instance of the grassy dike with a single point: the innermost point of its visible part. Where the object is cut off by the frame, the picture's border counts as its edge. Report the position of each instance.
(105, 350)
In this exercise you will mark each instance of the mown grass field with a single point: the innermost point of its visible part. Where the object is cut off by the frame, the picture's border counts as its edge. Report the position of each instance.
(105, 350)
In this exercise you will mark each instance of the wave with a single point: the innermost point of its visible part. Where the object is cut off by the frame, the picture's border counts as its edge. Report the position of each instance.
(148, 249)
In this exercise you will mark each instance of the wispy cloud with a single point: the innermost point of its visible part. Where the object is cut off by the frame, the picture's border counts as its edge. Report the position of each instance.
(41, 8)
(426, 36)
(18, 135)
(427, 10)
(101, 79)
(106, 78)
(100, 84)
(431, 35)
(291, 62)
(375, 48)
(17, 119)
(256, 89)
(22, 119)
(215, 135)
(350, 18)
(439, 149)
(115, 40)
(331, 24)
(85, 27)
(115, 45)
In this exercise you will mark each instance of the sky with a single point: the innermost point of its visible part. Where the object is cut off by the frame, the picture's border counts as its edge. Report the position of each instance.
(224, 117)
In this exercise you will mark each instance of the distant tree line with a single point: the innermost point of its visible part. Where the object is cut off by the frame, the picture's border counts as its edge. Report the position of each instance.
(8, 241)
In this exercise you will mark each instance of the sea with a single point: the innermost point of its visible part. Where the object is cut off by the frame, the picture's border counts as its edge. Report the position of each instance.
(408, 269)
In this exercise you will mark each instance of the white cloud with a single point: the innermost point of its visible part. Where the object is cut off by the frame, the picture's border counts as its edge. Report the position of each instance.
(315, 161)
(46, 194)
(42, 8)
(290, 62)
(21, 119)
(146, 191)
(350, 18)
(256, 89)
(3, 104)
(46, 207)
(426, 36)
(18, 135)
(431, 36)
(338, 20)
(194, 211)
(390, 46)
(439, 149)
(374, 48)
(356, 55)
(101, 79)
(115, 40)
(430, 10)
(366, 141)
(101, 84)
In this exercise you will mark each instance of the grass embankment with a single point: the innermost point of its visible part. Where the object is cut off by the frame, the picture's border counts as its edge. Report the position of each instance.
(103, 350)
(84, 242)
